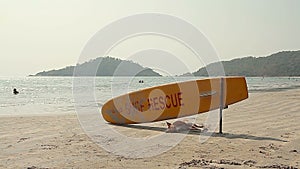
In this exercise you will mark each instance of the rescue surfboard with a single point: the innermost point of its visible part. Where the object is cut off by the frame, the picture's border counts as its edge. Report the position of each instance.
(175, 100)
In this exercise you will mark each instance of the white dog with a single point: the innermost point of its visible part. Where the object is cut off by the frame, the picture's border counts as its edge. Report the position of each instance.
(179, 126)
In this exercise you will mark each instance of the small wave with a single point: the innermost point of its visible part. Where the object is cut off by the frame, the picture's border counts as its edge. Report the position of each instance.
(278, 89)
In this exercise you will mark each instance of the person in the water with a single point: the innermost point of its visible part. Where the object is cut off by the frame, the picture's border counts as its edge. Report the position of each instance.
(15, 91)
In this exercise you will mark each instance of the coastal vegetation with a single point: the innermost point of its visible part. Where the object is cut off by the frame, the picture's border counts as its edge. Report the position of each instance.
(286, 63)
(102, 66)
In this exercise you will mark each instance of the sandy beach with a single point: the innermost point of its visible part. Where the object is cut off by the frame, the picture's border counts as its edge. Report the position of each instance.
(260, 132)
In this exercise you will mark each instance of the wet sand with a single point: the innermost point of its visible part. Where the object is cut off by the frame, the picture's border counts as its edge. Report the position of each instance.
(260, 132)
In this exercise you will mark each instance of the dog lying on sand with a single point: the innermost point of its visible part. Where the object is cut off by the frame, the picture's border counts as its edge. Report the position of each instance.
(179, 126)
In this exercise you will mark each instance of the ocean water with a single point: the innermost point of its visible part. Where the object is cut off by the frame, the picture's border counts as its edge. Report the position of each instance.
(55, 95)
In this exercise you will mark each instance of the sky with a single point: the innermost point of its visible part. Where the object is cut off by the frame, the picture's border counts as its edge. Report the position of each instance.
(37, 35)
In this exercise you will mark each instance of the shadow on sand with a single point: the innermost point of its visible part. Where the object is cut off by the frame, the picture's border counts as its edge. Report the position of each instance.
(198, 132)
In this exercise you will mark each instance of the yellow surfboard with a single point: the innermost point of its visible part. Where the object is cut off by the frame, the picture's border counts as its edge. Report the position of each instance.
(175, 100)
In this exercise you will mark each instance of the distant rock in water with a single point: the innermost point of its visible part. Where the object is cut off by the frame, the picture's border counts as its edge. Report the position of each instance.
(285, 63)
(102, 66)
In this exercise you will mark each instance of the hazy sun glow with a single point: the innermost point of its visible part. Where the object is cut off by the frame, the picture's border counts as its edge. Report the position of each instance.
(43, 35)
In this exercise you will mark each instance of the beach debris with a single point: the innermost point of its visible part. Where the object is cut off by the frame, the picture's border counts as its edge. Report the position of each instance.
(195, 163)
(210, 163)
(229, 162)
(249, 163)
(278, 166)
(48, 147)
(294, 151)
(34, 167)
(269, 147)
(23, 139)
(214, 164)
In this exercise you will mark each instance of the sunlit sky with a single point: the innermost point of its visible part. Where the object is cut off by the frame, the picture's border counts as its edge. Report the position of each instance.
(37, 35)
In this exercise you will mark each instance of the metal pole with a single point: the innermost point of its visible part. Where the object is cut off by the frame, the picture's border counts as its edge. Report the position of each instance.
(221, 103)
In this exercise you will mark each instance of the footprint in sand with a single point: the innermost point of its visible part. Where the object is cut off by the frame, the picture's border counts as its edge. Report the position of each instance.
(287, 135)
(22, 139)
(48, 147)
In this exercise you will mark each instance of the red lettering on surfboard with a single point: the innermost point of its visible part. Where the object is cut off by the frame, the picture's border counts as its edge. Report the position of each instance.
(180, 99)
(162, 102)
(155, 103)
(168, 105)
